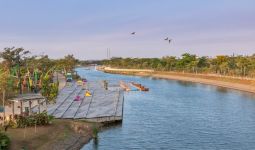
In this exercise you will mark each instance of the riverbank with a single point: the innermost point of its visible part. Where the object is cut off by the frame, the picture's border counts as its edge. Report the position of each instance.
(62, 134)
(247, 85)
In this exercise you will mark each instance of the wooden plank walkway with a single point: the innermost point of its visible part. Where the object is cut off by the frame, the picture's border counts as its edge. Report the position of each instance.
(102, 106)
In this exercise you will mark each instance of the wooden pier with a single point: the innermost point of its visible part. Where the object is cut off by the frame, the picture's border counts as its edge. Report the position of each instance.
(124, 86)
(136, 86)
(102, 106)
(140, 87)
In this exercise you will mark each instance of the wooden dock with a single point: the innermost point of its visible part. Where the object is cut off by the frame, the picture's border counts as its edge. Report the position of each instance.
(140, 87)
(132, 86)
(102, 106)
(124, 86)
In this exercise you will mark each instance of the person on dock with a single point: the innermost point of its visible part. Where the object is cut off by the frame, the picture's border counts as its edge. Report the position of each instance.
(105, 85)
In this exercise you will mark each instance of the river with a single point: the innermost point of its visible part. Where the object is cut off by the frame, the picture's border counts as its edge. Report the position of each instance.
(179, 115)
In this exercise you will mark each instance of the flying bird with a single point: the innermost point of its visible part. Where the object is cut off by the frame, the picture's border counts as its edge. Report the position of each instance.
(166, 39)
(133, 33)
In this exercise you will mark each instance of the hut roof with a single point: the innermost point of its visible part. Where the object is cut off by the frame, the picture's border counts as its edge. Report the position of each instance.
(27, 97)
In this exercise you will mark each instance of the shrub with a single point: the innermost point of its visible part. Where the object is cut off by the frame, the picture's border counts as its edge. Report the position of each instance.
(95, 132)
(49, 89)
(4, 141)
(12, 124)
(37, 119)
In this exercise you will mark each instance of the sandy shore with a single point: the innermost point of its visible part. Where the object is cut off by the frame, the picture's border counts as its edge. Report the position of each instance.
(247, 85)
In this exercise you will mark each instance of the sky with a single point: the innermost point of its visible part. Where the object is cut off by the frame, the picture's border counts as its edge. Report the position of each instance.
(87, 28)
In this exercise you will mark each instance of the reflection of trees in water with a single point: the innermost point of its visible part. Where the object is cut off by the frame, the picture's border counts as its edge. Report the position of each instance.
(249, 95)
(187, 84)
(95, 143)
(113, 125)
(106, 126)
(219, 89)
(222, 89)
(246, 94)
(242, 93)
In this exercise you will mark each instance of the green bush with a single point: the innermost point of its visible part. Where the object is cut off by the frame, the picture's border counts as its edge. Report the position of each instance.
(4, 141)
(12, 124)
(49, 89)
(37, 119)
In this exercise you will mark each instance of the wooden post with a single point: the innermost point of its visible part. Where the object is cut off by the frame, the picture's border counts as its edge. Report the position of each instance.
(13, 110)
(21, 108)
(57, 76)
(3, 106)
(30, 112)
(39, 106)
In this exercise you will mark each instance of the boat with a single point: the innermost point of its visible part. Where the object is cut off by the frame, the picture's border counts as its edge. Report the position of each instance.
(140, 87)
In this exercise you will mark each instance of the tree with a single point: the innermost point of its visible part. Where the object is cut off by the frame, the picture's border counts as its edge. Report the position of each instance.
(243, 64)
(170, 62)
(185, 61)
(203, 62)
(222, 64)
(4, 75)
(14, 57)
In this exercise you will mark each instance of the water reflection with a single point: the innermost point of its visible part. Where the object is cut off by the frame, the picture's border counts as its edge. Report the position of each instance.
(222, 89)
(95, 143)
(187, 84)
(113, 125)
(179, 115)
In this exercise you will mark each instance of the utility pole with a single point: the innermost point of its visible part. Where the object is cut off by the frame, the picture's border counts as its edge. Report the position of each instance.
(109, 53)
(106, 53)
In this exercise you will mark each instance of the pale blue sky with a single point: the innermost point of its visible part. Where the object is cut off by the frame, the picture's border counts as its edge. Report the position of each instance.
(86, 28)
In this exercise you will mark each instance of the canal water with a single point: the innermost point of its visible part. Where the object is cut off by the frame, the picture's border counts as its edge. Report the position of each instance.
(179, 115)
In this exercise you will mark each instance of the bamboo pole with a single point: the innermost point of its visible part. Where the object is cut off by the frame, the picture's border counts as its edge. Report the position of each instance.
(21, 108)
(30, 111)
(39, 107)
(13, 110)
(3, 106)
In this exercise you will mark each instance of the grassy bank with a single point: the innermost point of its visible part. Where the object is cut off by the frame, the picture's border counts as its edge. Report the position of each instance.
(242, 84)
(62, 134)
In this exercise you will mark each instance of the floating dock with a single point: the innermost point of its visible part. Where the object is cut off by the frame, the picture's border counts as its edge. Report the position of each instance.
(102, 106)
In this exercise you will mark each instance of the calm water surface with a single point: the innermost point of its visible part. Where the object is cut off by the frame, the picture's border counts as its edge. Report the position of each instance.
(179, 115)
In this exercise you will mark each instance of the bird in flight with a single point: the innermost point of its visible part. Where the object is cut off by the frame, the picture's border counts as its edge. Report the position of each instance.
(133, 33)
(166, 39)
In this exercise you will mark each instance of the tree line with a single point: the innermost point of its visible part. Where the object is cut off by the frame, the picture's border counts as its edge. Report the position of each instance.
(234, 65)
(19, 70)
